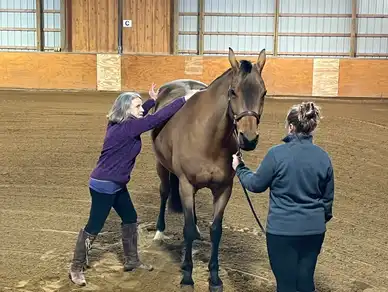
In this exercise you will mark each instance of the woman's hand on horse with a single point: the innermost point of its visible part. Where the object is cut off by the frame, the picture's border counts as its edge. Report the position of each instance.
(152, 93)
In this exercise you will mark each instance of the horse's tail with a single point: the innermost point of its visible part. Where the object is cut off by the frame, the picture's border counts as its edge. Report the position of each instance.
(174, 203)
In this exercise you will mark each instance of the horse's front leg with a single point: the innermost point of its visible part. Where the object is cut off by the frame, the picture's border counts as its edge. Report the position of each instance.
(220, 200)
(190, 232)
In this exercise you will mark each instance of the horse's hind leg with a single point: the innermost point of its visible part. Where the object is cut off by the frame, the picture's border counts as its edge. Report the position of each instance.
(220, 200)
(175, 203)
(195, 218)
(164, 190)
(190, 232)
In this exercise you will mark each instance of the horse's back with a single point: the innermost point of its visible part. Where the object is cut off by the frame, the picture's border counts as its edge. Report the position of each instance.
(171, 91)
(186, 83)
(175, 89)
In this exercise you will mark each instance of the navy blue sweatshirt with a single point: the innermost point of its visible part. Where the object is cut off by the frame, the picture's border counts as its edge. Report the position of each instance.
(300, 177)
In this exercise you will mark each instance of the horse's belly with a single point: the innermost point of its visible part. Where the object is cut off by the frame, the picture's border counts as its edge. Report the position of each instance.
(162, 148)
(205, 174)
(174, 149)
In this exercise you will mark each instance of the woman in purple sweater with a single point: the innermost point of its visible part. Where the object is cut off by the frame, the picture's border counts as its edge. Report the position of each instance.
(127, 120)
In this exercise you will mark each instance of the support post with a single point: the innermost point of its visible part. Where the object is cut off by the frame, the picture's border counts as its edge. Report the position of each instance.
(69, 25)
(39, 25)
(276, 28)
(175, 27)
(201, 24)
(353, 30)
(64, 40)
(120, 27)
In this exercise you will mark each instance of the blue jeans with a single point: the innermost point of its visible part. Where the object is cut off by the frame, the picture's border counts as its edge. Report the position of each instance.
(101, 206)
(293, 260)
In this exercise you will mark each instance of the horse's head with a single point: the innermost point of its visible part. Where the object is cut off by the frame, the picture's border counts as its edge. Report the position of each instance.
(246, 98)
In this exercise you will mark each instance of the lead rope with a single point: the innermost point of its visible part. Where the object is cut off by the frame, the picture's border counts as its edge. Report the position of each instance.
(239, 155)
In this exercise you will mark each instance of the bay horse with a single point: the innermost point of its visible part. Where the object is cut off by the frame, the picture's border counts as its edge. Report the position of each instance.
(194, 149)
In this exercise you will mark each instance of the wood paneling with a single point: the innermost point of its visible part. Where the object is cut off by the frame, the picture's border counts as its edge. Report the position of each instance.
(288, 76)
(362, 78)
(281, 76)
(325, 77)
(138, 72)
(108, 72)
(94, 26)
(48, 70)
(194, 66)
(151, 26)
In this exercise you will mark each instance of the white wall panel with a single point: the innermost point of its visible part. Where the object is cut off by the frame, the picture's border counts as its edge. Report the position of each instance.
(12, 21)
(251, 44)
(316, 6)
(372, 6)
(240, 6)
(246, 33)
(13, 25)
(314, 24)
(370, 46)
(321, 27)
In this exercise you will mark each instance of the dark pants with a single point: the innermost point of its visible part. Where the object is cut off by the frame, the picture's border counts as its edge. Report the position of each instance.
(293, 260)
(101, 206)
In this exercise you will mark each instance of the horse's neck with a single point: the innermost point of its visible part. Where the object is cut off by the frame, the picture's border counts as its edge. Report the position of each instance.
(219, 120)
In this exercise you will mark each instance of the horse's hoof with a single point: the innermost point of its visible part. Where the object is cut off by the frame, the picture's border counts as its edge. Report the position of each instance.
(187, 281)
(160, 236)
(187, 288)
(216, 285)
(218, 288)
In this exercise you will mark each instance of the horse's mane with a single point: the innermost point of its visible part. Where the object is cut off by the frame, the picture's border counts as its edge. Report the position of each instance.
(245, 68)
(222, 75)
(174, 89)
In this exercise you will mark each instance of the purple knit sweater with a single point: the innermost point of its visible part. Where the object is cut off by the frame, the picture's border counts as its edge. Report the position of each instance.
(122, 142)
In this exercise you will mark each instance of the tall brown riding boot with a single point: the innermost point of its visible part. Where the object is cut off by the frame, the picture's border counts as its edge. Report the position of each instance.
(131, 257)
(80, 258)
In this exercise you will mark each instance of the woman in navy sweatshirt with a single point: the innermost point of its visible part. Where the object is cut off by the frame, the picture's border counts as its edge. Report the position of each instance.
(127, 120)
(300, 177)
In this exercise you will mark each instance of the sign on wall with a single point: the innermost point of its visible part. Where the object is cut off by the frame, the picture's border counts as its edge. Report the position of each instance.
(127, 23)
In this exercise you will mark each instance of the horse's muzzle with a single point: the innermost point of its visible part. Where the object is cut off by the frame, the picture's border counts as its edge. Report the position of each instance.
(247, 144)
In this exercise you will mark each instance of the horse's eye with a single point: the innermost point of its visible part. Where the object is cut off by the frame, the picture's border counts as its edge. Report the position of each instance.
(232, 92)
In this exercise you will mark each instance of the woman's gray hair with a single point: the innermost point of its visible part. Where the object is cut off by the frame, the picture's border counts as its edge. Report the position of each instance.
(119, 110)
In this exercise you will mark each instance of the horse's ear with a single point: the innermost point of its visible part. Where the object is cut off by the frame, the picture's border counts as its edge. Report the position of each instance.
(232, 59)
(261, 59)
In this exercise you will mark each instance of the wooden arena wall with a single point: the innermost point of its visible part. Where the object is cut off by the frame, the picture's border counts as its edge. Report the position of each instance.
(93, 26)
(366, 78)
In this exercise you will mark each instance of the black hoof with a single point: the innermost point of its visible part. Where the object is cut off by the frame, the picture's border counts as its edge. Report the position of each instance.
(187, 288)
(187, 282)
(216, 285)
(219, 288)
